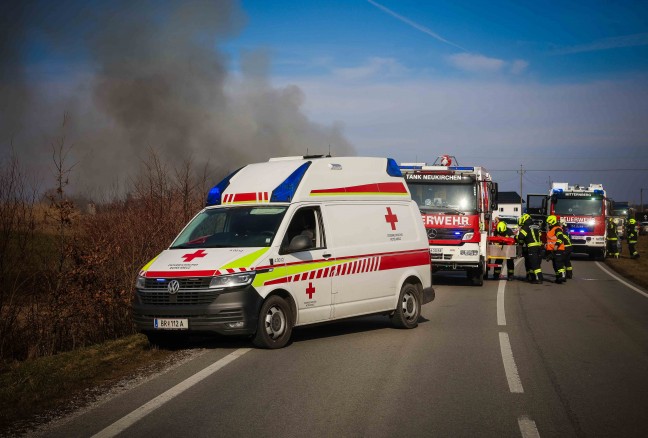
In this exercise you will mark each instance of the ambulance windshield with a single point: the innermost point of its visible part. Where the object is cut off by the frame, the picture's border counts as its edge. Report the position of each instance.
(230, 227)
(449, 198)
(578, 206)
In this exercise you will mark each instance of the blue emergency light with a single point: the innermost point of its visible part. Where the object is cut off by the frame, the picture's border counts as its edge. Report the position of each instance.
(468, 168)
(392, 168)
(410, 167)
(215, 194)
(286, 190)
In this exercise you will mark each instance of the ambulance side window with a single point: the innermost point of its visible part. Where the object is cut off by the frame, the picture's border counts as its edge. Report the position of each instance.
(306, 221)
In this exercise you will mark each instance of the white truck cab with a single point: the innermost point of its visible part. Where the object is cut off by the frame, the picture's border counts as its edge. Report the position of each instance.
(290, 242)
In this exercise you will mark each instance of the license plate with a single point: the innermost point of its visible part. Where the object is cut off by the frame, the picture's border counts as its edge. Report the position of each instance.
(436, 250)
(171, 323)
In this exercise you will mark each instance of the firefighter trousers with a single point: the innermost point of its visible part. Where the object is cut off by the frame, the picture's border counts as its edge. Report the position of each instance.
(633, 250)
(510, 267)
(612, 248)
(532, 260)
(568, 265)
(558, 262)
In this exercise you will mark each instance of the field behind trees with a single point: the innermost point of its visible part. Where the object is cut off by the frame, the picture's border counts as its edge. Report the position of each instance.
(67, 270)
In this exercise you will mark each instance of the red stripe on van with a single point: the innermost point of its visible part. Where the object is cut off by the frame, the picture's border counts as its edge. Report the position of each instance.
(404, 260)
(386, 187)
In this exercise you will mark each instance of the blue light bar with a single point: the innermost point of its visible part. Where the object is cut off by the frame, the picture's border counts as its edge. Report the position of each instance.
(392, 168)
(410, 167)
(469, 168)
(215, 194)
(286, 190)
(598, 191)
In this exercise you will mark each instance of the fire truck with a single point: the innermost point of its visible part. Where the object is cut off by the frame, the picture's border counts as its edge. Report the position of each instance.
(585, 209)
(456, 204)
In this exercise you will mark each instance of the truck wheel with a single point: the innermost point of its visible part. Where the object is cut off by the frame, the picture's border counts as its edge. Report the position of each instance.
(275, 324)
(408, 308)
(478, 273)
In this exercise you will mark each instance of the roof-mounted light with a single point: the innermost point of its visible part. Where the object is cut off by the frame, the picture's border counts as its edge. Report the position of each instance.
(392, 168)
(214, 197)
(286, 190)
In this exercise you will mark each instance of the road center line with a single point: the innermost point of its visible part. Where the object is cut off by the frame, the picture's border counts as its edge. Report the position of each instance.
(528, 427)
(501, 316)
(512, 376)
(139, 413)
(620, 280)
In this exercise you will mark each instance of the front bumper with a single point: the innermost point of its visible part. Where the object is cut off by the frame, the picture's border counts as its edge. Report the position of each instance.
(206, 310)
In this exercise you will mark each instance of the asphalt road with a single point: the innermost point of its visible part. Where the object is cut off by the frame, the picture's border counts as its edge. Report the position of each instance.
(508, 359)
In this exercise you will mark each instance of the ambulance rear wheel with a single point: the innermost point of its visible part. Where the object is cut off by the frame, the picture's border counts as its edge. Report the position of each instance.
(408, 308)
(275, 324)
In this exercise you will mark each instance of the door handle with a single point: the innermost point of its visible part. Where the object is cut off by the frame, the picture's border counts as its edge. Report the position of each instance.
(326, 256)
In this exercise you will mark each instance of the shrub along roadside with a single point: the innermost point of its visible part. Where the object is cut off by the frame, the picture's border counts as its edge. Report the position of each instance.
(30, 388)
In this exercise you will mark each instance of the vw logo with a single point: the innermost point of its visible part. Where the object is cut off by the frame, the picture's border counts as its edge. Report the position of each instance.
(432, 233)
(173, 287)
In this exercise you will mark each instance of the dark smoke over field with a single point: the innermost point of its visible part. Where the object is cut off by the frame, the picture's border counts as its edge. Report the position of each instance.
(139, 75)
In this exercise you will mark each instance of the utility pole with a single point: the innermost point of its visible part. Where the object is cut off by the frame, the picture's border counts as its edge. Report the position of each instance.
(521, 171)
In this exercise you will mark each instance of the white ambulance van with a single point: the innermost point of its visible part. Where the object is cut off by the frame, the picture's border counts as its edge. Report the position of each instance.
(290, 242)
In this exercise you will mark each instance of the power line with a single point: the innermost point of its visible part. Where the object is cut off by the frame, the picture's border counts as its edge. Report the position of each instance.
(570, 170)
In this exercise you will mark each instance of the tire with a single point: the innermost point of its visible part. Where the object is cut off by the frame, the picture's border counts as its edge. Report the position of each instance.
(275, 324)
(478, 274)
(408, 308)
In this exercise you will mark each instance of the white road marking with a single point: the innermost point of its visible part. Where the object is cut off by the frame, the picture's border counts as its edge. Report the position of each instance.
(501, 317)
(528, 427)
(620, 280)
(139, 413)
(512, 376)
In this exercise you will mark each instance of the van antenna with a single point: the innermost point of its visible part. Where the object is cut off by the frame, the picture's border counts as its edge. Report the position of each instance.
(329, 154)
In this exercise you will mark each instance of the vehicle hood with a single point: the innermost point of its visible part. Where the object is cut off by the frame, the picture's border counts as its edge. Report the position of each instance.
(203, 262)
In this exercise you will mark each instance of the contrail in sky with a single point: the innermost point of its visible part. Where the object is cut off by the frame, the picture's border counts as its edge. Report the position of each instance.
(416, 25)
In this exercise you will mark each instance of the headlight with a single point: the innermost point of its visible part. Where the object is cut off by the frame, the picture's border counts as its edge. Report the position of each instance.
(468, 236)
(232, 280)
(140, 283)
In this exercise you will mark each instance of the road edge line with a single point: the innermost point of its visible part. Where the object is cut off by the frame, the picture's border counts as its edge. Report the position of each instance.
(620, 280)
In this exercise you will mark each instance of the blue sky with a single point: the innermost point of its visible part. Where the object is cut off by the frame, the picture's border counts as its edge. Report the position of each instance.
(549, 85)
(560, 88)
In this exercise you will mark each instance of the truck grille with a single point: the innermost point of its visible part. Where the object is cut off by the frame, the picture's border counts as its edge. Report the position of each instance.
(159, 297)
(185, 283)
(447, 233)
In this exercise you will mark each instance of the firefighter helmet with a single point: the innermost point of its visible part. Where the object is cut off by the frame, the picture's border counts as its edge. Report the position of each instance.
(632, 221)
(523, 219)
(501, 226)
(551, 220)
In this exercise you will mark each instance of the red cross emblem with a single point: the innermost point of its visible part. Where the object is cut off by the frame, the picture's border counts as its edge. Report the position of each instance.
(189, 257)
(391, 218)
(310, 290)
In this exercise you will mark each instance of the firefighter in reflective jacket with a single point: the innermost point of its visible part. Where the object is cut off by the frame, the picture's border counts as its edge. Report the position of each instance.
(556, 248)
(612, 239)
(568, 250)
(631, 235)
(503, 230)
(529, 238)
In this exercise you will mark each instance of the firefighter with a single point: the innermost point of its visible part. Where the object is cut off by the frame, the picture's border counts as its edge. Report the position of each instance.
(612, 239)
(503, 231)
(529, 238)
(631, 235)
(568, 250)
(556, 248)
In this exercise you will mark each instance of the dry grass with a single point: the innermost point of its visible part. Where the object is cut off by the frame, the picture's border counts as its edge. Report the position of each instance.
(635, 270)
(31, 388)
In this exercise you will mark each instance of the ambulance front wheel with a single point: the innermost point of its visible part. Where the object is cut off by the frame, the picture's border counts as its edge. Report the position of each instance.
(408, 308)
(275, 324)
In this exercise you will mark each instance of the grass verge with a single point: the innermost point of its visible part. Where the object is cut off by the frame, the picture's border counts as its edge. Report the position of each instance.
(635, 270)
(31, 388)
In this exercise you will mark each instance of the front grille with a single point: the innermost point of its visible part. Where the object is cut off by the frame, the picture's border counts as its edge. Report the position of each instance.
(447, 233)
(162, 297)
(185, 283)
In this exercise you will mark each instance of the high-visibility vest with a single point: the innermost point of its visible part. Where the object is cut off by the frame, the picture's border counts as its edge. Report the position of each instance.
(553, 242)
